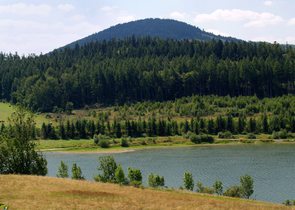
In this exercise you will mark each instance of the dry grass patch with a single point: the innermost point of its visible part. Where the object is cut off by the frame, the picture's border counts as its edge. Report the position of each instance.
(29, 192)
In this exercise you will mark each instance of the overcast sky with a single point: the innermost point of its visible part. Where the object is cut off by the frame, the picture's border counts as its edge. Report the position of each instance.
(40, 26)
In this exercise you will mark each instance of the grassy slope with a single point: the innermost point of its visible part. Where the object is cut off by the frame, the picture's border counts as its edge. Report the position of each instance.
(28, 192)
(7, 109)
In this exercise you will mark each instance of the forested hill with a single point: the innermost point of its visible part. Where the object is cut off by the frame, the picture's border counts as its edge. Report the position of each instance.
(146, 69)
(160, 28)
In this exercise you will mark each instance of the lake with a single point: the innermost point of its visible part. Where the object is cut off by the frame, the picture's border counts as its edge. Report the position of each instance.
(271, 166)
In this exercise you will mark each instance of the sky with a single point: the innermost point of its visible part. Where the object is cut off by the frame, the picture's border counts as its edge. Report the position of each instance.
(33, 26)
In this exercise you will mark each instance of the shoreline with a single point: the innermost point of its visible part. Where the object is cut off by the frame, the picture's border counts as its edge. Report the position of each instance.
(119, 150)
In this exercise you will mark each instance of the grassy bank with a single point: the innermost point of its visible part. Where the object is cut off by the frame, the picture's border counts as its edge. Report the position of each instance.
(136, 144)
(29, 192)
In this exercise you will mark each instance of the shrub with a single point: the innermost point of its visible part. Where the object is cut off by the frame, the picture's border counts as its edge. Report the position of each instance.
(62, 170)
(225, 135)
(203, 138)
(98, 138)
(77, 172)
(218, 187)
(251, 136)
(233, 191)
(120, 176)
(289, 202)
(247, 185)
(135, 177)
(188, 181)
(104, 143)
(282, 134)
(155, 180)
(124, 142)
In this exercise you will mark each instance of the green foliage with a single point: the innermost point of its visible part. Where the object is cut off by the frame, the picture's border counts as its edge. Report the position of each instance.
(120, 176)
(124, 142)
(77, 172)
(108, 168)
(202, 138)
(135, 176)
(149, 69)
(218, 187)
(289, 202)
(247, 186)
(282, 134)
(102, 140)
(155, 180)
(225, 135)
(188, 181)
(251, 136)
(234, 191)
(62, 170)
(17, 150)
(104, 143)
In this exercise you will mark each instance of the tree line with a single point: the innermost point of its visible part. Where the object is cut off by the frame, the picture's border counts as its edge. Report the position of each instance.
(111, 172)
(140, 69)
(224, 126)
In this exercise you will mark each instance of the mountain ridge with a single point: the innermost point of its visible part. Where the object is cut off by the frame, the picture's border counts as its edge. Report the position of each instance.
(152, 27)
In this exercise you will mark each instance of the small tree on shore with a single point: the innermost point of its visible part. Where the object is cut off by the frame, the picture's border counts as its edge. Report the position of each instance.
(155, 180)
(247, 186)
(62, 170)
(135, 176)
(120, 176)
(218, 187)
(188, 181)
(108, 168)
(77, 172)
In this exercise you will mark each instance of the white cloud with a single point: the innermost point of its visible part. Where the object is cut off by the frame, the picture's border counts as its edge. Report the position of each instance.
(125, 18)
(291, 22)
(268, 3)
(178, 15)
(66, 7)
(25, 9)
(217, 32)
(251, 18)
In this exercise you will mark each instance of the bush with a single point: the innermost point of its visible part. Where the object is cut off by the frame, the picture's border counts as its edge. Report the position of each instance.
(135, 177)
(251, 136)
(98, 138)
(124, 142)
(62, 170)
(155, 180)
(188, 181)
(203, 189)
(233, 191)
(77, 172)
(282, 134)
(104, 143)
(198, 139)
(289, 202)
(218, 187)
(225, 135)
(247, 185)
(120, 176)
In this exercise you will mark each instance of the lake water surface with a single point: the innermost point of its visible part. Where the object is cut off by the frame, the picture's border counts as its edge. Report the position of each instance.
(271, 166)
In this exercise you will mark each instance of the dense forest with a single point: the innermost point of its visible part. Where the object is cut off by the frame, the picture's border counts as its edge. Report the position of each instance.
(160, 28)
(146, 69)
